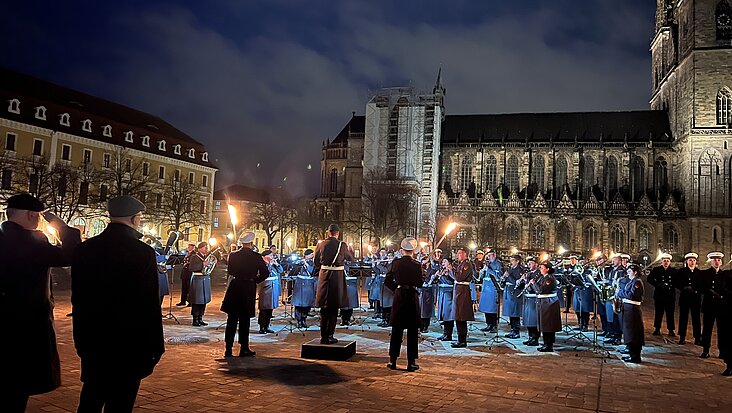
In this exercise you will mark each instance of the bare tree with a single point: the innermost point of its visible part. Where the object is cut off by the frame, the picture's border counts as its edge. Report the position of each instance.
(310, 224)
(126, 174)
(388, 205)
(66, 189)
(181, 204)
(274, 218)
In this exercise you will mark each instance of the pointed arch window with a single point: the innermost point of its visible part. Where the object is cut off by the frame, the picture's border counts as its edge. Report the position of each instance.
(724, 107)
(512, 174)
(617, 238)
(560, 174)
(592, 241)
(612, 175)
(671, 238)
(513, 231)
(537, 172)
(466, 173)
(333, 181)
(491, 179)
(564, 236)
(723, 20)
(639, 177)
(538, 236)
(588, 175)
(710, 192)
(644, 238)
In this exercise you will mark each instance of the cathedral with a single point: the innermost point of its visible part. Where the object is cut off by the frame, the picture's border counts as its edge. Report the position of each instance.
(635, 181)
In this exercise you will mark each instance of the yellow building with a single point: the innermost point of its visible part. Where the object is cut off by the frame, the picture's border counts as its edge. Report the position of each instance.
(74, 151)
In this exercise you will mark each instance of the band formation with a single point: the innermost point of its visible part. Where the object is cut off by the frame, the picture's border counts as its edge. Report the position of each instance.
(407, 289)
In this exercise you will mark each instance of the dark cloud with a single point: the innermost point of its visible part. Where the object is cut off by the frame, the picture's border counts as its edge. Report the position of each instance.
(266, 82)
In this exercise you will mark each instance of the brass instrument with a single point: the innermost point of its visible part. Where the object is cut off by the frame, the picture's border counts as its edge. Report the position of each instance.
(617, 302)
(209, 263)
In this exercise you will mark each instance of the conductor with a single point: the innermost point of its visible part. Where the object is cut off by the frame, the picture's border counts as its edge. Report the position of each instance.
(330, 256)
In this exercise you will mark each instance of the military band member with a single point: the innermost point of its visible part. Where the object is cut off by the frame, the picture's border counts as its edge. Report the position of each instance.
(512, 306)
(489, 297)
(268, 294)
(330, 257)
(445, 290)
(303, 290)
(387, 296)
(163, 287)
(247, 269)
(632, 295)
(352, 290)
(185, 276)
(664, 295)
(529, 307)
(379, 269)
(462, 308)
(724, 329)
(404, 278)
(478, 261)
(713, 290)
(603, 280)
(548, 311)
(614, 327)
(428, 292)
(624, 260)
(583, 294)
(687, 282)
(200, 293)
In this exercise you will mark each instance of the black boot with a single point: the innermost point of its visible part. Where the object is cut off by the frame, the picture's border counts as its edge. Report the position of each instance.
(412, 366)
(196, 323)
(228, 352)
(201, 322)
(392, 364)
(546, 348)
(705, 353)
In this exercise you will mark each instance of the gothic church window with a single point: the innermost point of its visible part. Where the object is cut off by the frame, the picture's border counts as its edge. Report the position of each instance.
(537, 172)
(723, 20)
(564, 236)
(612, 175)
(333, 181)
(491, 179)
(560, 175)
(591, 238)
(588, 175)
(538, 236)
(512, 234)
(639, 177)
(708, 178)
(512, 174)
(466, 173)
(724, 107)
(617, 238)
(644, 238)
(671, 238)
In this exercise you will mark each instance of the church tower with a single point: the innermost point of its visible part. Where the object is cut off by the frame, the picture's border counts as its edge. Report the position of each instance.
(692, 81)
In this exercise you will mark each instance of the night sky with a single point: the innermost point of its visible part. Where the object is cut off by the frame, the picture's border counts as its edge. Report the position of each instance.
(266, 82)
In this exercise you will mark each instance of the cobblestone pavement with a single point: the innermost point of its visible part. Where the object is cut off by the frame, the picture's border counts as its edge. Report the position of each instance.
(194, 377)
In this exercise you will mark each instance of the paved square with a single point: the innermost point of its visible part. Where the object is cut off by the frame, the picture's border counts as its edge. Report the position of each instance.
(193, 376)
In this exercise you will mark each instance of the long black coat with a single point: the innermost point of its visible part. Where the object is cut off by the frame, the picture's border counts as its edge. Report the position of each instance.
(30, 362)
(332, 291)
(405, 272)
(118, 330)
(688, 284)
(248, 269)
(548, 311)
(712, 284)
(632, 314)
(663, 282)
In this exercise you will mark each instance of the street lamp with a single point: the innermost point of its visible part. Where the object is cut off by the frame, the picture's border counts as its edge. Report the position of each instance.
(450, 227)
(472, 246)
(561, 250)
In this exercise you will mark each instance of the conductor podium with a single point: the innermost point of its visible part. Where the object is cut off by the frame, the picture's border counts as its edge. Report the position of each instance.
(340, 351)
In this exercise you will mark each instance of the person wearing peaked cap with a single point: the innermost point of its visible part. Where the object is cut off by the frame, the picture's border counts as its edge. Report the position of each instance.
(247, 269)
(199, 294)
(664, 295)
(185, 276)
(512, 306)
(688, 283)
(714, 307)
(489, 302)
(117, 348)
(404, 278)
(479, 260)
(31, 365)
(631, 292)
(329, 264)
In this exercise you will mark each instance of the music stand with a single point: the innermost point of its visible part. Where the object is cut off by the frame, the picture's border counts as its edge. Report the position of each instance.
(358, 320)
(172, 260)
(497, 338)
(580, 334)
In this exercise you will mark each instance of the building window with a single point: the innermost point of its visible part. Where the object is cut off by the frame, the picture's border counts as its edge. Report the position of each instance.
(216, 222)
(37, 147)
(86, 125)
(10, 139)
(639, 177)
(612, 175)
(65, 119)
(671, 238)
(217, 205)
(723, 20)
(591, 238)
(106, 160)
(564, 236)
(513, 234)
(7, 179)
(202, 206)
(158, 201)
(143, 196)
(491, 178)
(146, 141)
(538, 236)
(192, 153)
(560, 175)
(617, 238)
(724, 107)
(161, 172)
(66, 152)
(161, 145)
(41, 113)
(33, 184)
(103, 190)
(588, 175)
(128, 137)
(84, 193)
(176, 175)
(87, 156)
(188, 205)
(466, 173)
(14, 106)
(333, 181)
(191, 178)
(204, 156)
(709, 182)
(128, 165)
(107, 131)
(145, 169)
(644, 238)
(200, 233)
(537, 172)
(176, 149)
(204, 181)
(512, 174)
(661, 173)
